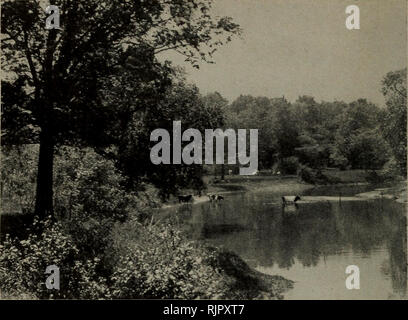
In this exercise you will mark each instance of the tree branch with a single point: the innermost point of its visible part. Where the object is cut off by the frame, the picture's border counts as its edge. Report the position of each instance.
(30, 61)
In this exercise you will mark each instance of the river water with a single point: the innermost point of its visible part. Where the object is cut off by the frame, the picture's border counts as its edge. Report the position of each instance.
(313, 243)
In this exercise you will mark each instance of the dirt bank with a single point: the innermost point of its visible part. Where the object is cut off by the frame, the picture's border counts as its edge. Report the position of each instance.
(248, 283)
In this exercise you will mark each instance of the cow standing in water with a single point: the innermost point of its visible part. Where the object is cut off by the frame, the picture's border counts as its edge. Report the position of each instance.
(215, 197)
(290, 200)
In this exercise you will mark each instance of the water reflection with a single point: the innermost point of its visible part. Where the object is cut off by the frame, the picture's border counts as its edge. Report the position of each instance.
(311, 244)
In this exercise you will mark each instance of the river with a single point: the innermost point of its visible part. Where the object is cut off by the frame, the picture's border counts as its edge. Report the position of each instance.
(313, 243)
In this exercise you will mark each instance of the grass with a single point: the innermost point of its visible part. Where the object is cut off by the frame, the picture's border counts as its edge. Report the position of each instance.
(346, 176)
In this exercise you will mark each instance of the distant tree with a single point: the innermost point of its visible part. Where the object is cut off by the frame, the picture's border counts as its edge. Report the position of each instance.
(367, 150)
(286, 129)
(310, 112)
(359, 115)
(64, 73)
(318, 123)
(258, 113)
(318, 120)
(215, 103)
(358, 139)
(394, 125)
(181, 102)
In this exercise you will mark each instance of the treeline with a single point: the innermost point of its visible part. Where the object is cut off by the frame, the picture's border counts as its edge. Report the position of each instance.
(293, 137)
(356, 135)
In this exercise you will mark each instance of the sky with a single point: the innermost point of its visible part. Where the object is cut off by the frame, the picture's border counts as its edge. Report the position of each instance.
(302, 47)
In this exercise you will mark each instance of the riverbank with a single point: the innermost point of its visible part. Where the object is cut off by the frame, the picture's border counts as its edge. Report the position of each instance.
(398, 192)
(249, 283)
(291, 185)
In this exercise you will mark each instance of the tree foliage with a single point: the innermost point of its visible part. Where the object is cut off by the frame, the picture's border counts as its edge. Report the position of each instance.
(181, 102)
(319, 134)
(395, 121)
(58, 79)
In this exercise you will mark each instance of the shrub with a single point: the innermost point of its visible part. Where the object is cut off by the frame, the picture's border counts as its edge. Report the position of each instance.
(381, 176)
(18, 177)
(392, 169)
(83, 181)
(156, 261)
(23, 264)
(159, 263)
(90, 196)
(86, 182)
(307, 175)
(289, 165)
(339, 161)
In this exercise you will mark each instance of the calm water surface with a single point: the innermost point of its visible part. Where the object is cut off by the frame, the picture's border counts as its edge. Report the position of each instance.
(312, 244)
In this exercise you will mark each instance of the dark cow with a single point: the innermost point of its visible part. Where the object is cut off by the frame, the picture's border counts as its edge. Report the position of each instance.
(211, 197)
(215, 197)
(186, 198)
(290, 199)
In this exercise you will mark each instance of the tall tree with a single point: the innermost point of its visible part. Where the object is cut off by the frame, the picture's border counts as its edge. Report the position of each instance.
(259, 113)
(217, 104)
(181, 102)
(395, 122)
(286, 130)
(64, 73)
(357, 121)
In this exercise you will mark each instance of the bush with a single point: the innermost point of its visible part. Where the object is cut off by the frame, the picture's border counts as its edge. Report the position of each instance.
(23, 264)
(86, 182)
(289, 165)
(83, 181)
(392, 169)
(307, 175)
(159, 263)
(90, 197)
(339, 161)
(18, 178)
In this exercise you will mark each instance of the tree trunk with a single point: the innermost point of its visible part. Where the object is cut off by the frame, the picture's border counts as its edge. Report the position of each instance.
(44, 196)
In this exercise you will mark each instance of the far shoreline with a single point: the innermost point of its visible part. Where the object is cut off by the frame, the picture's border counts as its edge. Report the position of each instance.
(292, 184)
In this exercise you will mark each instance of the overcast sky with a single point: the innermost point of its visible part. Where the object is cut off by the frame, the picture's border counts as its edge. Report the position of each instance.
(302, 47)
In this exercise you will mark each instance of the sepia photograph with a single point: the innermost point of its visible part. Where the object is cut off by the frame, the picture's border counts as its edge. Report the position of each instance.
(226, 150)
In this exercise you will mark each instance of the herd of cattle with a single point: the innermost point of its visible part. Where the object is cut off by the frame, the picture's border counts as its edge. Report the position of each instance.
(211, 196)
(286, 200)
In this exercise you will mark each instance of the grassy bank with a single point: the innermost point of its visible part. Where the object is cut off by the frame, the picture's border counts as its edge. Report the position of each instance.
(271, 182)
(232, 184)
(346, 176)
(280, 184)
